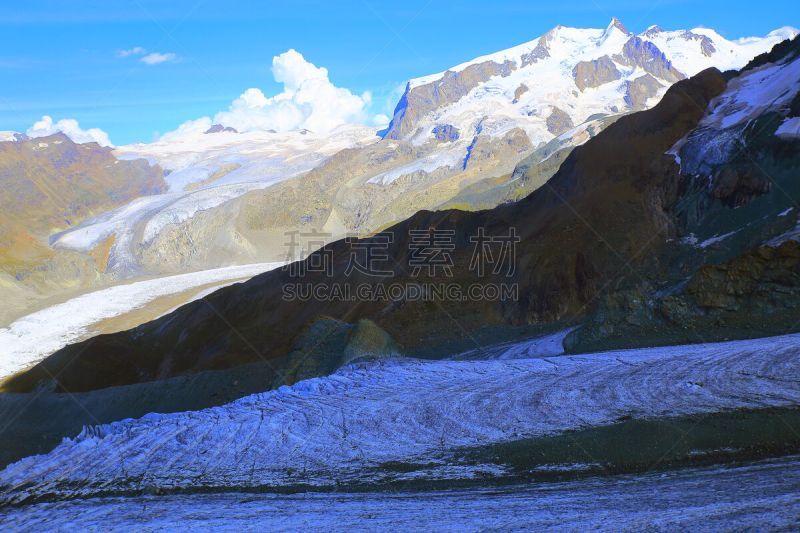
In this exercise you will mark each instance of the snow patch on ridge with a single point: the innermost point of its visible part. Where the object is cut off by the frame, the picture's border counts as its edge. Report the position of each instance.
(789, 128)
(749, 95)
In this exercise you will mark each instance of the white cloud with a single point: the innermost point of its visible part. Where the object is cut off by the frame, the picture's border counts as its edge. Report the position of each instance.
(70, 128)
(308, 100)
(380, 120)
(135, 51)
(155, 58)
(188, 128)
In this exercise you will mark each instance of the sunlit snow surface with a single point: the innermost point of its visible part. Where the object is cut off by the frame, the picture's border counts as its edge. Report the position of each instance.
(342, 428)
(31, 338)
(237, 162)
(747, 97)
(789, 128)
(751, 94)
(763, 496)
(494, 107)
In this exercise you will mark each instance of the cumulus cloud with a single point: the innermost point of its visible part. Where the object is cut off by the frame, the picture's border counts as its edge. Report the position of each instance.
(70, 128)
(188, 128)
(380, 120)
(308, 100)
(155, 58)
(135, 51)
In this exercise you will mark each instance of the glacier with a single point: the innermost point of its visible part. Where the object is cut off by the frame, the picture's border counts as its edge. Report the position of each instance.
(762, 495)
(33, 337)
(341, 428)
(238, 162)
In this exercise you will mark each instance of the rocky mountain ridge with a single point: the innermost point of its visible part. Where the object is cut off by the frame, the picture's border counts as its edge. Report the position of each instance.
(49, 185)
(621, 221)
(478, 135)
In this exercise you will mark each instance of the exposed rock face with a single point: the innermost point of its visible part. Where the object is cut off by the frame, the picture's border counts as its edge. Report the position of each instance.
(794, 107)
(706, 45)
(736, 186)
(765, 277)
(539, 52)
(753, 295)
(647, 56)
(528, 175)
(595, 73)
(549, 67)
(485, 150)
(335, 198)
(640, 90)
(617, 24)
(519, 91)
(445, 133)
(654, 30)
(559, 121)
(419, 101)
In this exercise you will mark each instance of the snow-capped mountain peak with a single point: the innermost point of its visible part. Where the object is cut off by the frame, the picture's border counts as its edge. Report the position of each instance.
(563, 78)
(614, 27)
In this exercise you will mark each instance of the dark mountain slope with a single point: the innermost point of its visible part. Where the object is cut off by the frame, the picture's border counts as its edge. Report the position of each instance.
(591, 227)
(638, 245)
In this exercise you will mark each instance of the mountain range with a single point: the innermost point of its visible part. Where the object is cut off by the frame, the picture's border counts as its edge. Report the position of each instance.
(674, 226)
(660, 210)
(485, 132)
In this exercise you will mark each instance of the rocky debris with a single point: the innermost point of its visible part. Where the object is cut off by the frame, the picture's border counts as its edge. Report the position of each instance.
(595, 73)
(368, 342)
(328, 344)
(558, 121)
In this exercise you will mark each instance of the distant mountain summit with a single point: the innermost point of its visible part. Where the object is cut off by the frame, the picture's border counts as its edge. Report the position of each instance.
(219, 128)
(566, 77)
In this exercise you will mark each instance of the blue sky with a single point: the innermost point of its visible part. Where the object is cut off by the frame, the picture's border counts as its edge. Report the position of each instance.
(62, 58)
